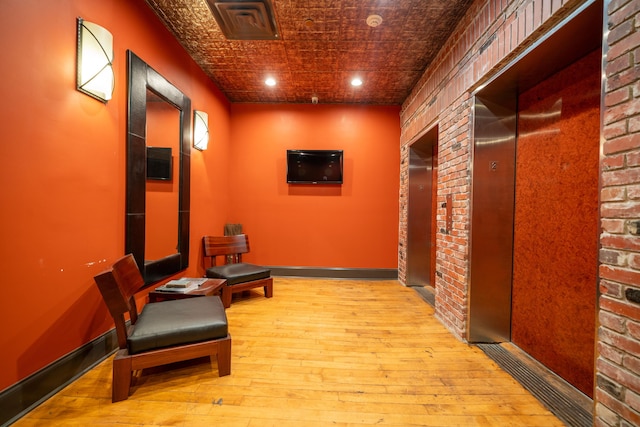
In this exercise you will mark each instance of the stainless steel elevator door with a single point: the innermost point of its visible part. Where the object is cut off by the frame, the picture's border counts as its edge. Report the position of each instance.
(419, 268)
(492, 220)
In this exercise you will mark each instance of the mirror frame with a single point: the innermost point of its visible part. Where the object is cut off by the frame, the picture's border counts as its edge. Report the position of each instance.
(140, 78)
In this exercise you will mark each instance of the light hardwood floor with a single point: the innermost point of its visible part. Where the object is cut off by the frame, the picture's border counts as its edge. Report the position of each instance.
(319, 353)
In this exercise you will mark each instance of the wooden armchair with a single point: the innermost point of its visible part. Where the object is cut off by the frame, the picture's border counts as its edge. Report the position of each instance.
(240, 276)
(164, 332)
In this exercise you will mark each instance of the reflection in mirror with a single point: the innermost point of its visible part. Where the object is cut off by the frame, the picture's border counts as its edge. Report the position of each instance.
(161, 211)
(153, 246)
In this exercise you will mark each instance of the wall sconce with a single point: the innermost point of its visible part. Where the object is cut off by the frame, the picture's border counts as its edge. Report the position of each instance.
(95, 61)
(200, 130)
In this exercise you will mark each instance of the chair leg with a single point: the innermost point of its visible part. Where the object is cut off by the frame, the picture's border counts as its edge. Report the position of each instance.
(121, 377)
(268, 290)
(226, 296)
(224, 357)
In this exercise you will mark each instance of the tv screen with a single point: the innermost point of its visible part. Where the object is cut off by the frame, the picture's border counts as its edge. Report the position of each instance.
(314, 166)
(159, 165)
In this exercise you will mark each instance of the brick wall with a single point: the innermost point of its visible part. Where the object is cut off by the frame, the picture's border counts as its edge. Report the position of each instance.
(491, 34)
(488, 37)
(618, 363)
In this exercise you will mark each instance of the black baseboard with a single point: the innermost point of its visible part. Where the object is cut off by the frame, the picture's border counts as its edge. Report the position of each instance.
(25, 395)
(337, 273)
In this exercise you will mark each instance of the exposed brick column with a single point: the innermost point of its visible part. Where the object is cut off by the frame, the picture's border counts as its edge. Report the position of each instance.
(404, 214)
(491, 34)
(618, 364)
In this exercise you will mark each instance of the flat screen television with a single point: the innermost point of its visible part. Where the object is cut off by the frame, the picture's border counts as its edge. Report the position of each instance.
(314, 166)
(159, 165)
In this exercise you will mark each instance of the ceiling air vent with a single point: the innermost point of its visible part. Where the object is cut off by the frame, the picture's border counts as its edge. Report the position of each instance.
(245, 19)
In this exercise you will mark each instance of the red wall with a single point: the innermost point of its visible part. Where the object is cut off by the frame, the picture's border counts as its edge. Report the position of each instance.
(353, 225)
(63, 171)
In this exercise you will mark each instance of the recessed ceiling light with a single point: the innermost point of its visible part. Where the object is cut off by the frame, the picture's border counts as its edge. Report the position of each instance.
(357, 81)
(270, 81)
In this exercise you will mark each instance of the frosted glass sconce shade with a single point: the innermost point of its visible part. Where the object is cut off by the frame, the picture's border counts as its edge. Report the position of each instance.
(200, 130)
(95, 61)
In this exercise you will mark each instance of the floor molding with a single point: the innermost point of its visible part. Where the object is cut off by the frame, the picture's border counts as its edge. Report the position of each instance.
(427, 293)
(25, 395)
(337, 273)
(562, 399)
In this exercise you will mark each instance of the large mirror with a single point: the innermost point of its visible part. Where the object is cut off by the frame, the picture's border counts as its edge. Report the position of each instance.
(162, 187)
(163, 199)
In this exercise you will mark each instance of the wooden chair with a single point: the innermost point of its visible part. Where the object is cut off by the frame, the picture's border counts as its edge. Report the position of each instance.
(164, 332)
(240, 276)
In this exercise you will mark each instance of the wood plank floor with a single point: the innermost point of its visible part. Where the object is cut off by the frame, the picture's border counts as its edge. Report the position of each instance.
(319, 353)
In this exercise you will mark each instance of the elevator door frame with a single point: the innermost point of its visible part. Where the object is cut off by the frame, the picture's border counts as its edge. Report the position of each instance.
(494, 112)
(420, 215)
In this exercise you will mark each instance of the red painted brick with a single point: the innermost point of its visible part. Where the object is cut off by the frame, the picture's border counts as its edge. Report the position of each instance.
(624, 143)
(605, 417)
(622, 177)
(617, 96)
(545, 9)
(610, 353)
(610, 289)
(620, 31)
(614, 226)
(613, 322)
(634, 332)
(522, 28)
(633, 159)
(633, 400)
(620, 210)
(621, 79)
(618, 407)
(623, 110)
(613, 194)
(620, 242)
(615, 5)
(620, 11)
(629, 277)
(632, 311)
(618, 374)
(635, 88)
(633, 192)
(611, 257)
(529, 19)
(634, 261)
(615, 129)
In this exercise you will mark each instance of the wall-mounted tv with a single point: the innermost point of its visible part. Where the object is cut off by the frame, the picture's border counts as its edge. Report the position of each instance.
(159, 164)
(314, 166)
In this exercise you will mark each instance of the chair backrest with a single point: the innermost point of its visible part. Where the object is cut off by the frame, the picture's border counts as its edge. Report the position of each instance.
(230, 247)
(232, 229)
(118, 286)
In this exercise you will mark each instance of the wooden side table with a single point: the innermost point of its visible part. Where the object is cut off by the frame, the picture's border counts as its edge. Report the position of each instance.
(208, 288)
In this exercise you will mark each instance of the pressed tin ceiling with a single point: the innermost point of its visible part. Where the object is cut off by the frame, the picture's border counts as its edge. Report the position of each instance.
(318, 47)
